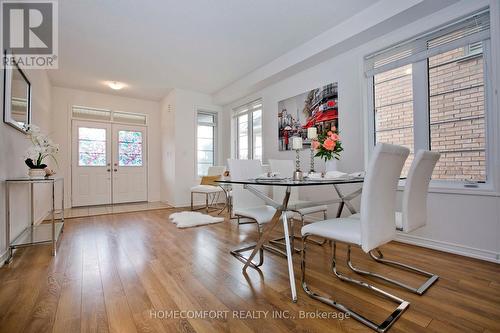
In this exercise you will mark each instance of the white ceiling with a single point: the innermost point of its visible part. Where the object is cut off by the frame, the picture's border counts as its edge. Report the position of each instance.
(202, 45)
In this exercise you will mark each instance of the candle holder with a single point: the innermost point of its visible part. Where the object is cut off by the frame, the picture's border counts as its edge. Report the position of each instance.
(297, 175)
(311, 166)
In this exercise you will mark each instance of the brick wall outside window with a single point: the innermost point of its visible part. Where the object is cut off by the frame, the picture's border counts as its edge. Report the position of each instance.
(394, 109)
(456, 112)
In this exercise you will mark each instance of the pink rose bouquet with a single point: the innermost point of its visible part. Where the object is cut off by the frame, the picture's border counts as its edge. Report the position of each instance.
(328, 145)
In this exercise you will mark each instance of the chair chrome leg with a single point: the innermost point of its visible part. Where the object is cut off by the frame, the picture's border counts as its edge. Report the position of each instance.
(274, 250)
(281, 241)
(239, 256)
(209, 207)
(382, 327)
(239, 217)
(313, 240)
(206, 202)
(238, 253)
(380, 258)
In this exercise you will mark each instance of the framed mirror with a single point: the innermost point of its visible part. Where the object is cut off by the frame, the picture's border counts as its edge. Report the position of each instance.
(16, 98)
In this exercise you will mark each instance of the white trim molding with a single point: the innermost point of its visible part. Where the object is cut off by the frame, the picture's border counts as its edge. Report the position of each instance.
(462, 250)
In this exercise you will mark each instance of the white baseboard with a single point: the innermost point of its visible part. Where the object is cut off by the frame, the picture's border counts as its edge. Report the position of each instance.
(462, 250)
(196, 203)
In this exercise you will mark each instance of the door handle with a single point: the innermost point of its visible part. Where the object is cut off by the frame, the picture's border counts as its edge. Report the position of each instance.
(108, 170)
(115, 170)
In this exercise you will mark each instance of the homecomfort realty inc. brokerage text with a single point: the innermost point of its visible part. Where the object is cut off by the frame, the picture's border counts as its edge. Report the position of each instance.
(246, 315)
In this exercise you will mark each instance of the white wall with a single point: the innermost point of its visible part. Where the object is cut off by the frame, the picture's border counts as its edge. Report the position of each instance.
(62, 101)
(13, 145)
(167, 186)
(458, 222)
(179, 143)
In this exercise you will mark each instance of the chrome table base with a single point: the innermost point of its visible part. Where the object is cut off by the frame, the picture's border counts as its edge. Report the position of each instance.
(280, 214)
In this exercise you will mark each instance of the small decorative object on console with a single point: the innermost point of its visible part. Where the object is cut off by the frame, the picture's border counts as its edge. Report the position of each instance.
(42, 147)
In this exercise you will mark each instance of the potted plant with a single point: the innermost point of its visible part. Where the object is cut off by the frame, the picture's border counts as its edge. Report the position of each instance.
(41, 148)
(328, 146)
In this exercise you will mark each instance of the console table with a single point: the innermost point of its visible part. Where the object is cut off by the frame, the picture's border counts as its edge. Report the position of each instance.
(44, 233)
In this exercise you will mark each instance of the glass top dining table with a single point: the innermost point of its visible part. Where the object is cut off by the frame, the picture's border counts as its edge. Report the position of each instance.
(343, 200)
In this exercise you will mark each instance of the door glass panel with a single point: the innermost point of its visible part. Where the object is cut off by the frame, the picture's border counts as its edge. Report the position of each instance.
(129, 148)
(91, 146)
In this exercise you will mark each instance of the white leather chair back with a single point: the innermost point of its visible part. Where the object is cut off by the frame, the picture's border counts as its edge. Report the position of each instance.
(216, 170)
(243, 170)
(285, 168)
(414, 207)
(378, 200)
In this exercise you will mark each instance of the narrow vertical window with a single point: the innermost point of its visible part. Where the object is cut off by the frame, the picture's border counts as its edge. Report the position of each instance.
(206, 142)
(248, 124)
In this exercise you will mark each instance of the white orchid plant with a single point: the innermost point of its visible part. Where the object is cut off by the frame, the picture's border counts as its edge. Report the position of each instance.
(42, 147)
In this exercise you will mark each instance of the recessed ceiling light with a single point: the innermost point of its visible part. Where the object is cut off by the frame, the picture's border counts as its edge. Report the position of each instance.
(116, 85)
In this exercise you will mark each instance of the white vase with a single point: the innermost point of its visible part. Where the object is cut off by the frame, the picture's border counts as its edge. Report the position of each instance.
(36, 173)
(331, 165)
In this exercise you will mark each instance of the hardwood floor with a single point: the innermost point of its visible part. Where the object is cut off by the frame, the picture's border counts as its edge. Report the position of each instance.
(128, 272)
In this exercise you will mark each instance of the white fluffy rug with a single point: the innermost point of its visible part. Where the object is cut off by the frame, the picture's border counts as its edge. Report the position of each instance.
(193, 219)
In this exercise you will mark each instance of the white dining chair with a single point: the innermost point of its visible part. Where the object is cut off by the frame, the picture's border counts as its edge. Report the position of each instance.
(285, 168)
(374, 228)
(412, 216)
(211, 192)
(248, 206)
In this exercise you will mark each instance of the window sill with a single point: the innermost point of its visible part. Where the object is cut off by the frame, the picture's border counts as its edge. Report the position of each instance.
(458, 189)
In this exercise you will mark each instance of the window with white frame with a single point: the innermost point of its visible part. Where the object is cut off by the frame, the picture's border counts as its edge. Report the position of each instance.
(429, 93)
(206, 141)
(248, 128)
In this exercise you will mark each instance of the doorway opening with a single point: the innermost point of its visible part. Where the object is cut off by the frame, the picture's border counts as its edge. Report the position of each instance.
(109, 160)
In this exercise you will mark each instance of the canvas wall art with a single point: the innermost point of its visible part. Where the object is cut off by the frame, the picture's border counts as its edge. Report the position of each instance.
(317, 107)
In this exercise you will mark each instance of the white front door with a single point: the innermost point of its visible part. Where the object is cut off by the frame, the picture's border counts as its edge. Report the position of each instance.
(91, 169)
(129, 164)
(108, 163)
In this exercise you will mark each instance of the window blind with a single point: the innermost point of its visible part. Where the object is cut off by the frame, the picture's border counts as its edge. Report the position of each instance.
(249, 107)
(471, 29)
(130, 118)
(82, 112)
(90, 113)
